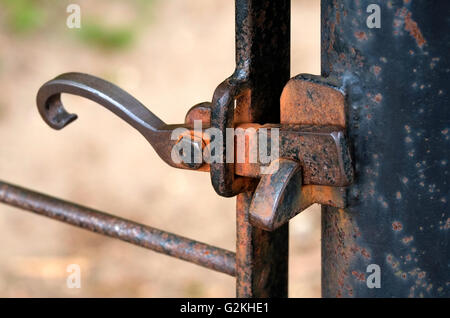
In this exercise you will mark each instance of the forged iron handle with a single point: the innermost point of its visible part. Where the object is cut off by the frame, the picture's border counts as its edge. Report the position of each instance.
(118, 101)
(96, 89)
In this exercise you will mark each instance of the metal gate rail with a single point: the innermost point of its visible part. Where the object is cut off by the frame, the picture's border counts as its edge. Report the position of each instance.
(106, 224)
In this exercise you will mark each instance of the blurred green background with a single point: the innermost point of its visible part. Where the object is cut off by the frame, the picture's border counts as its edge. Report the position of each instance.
(28, 17)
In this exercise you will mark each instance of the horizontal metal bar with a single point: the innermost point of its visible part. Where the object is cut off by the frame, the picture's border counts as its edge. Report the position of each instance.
(138, 234)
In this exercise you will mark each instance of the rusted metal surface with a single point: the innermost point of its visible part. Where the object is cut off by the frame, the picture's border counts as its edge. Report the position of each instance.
(262, 58)
(189, 150)
(261, 256)
(159, 241)
(262, 69)
(314, 147)
(313, 100)
(319, 102)
(223, 177)
(332, 196)
(396, 82)
(322, 151)
(278, 194)
(281, 195)
(313, 152)
(200, 112)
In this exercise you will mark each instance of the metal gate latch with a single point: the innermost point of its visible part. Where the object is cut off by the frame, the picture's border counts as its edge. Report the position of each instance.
(313, 164)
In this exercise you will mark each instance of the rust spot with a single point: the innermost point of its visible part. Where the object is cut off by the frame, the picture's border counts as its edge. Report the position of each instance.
(407, 239)
(447, 224)
(306, 102)
(408, 128)
(376, 70)
(378, 98)
(397, 226)
(361, 36)
(365, 253)
(200, 112)
(359, 276)
(412, 27)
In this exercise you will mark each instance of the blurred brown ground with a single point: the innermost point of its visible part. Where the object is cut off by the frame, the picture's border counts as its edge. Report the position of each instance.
(181, 52)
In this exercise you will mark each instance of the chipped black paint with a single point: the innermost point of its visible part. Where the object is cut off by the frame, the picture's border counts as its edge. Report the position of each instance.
(396, 79)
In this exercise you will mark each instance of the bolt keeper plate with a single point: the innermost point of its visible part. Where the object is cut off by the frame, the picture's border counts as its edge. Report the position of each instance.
(306, 100)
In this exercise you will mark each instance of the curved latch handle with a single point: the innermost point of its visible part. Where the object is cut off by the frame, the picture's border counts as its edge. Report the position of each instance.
(157, 133)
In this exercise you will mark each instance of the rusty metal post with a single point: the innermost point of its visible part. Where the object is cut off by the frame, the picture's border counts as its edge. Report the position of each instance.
(396, 81)
(263, 60)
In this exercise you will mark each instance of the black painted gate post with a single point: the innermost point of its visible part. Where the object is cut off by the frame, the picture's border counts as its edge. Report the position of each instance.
(397, 81)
